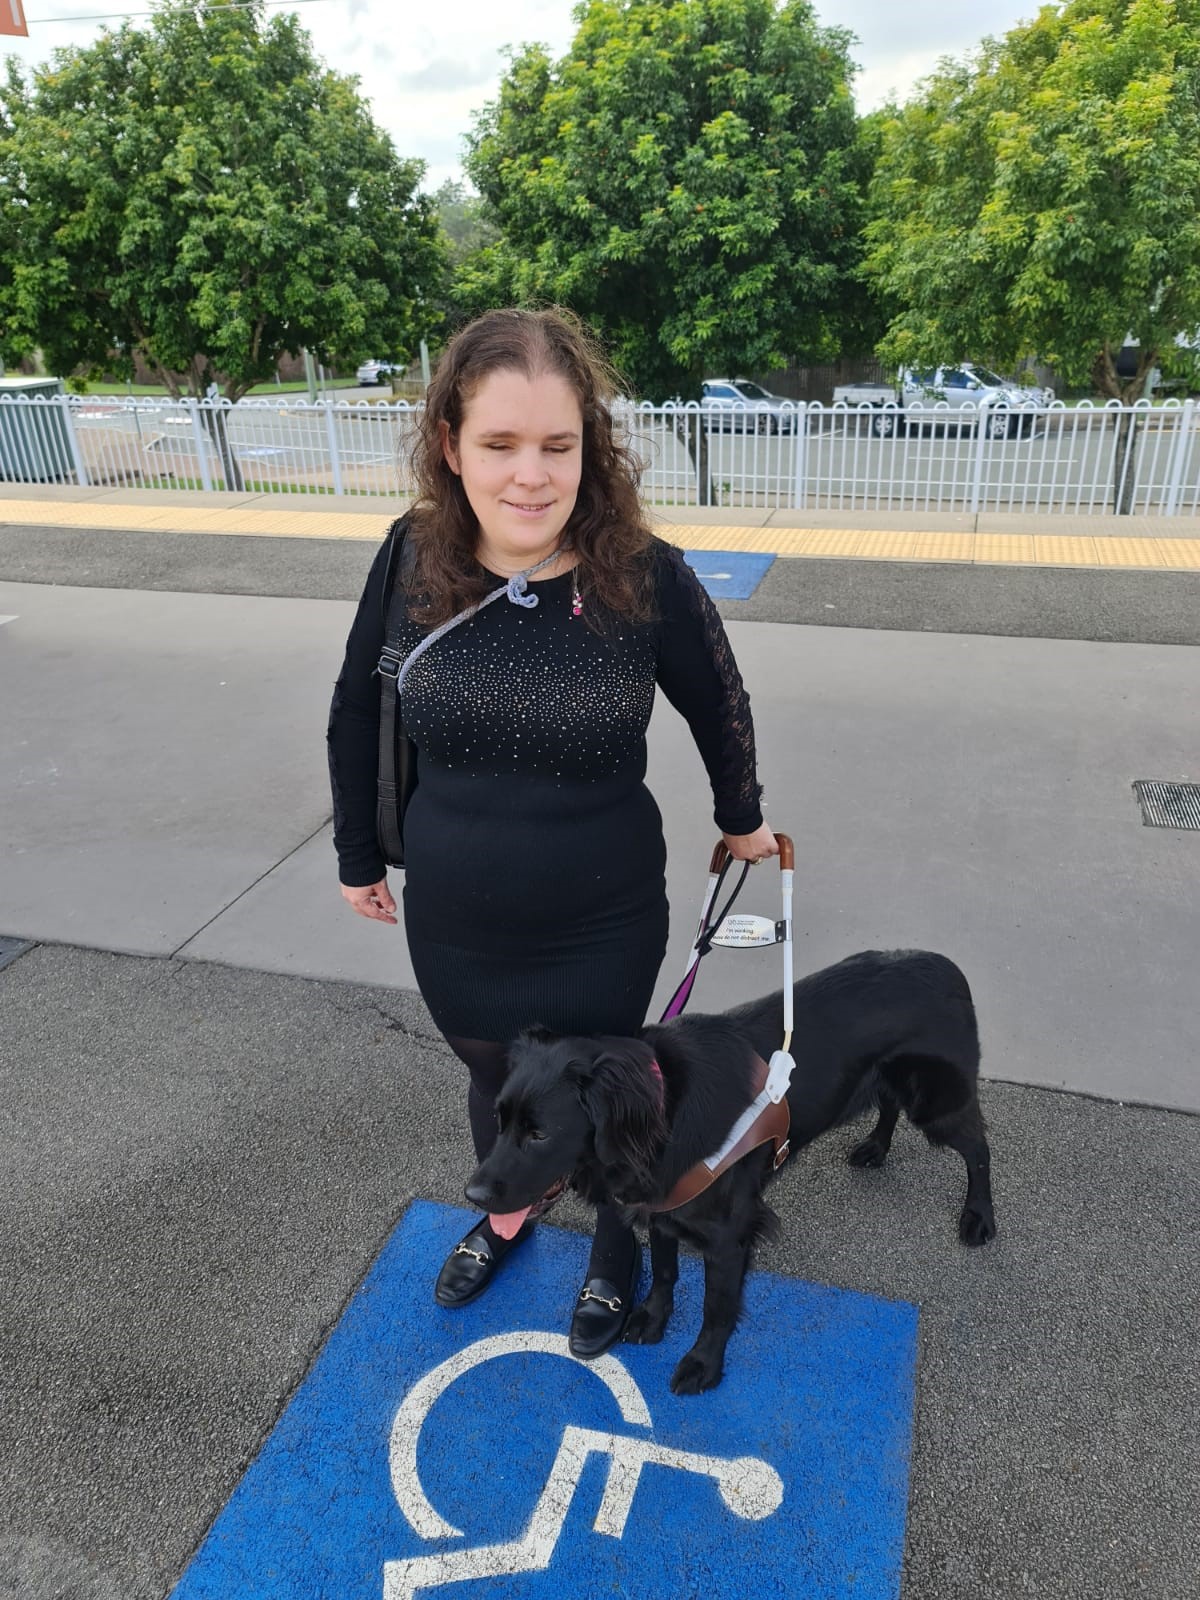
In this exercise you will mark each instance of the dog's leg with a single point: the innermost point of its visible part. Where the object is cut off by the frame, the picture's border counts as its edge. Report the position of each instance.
(872, 1150)
(724, 1274)
(648, 1322)
(977, 1224)
(964, 1132)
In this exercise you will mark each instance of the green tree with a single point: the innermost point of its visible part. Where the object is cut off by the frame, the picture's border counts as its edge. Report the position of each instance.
(464, 225)
(1042, 198)
(684, 178)
(863, 317)
(467, 232)
(205, 193)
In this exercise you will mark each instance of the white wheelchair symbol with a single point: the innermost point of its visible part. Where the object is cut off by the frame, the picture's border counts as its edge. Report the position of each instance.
(750, 1488)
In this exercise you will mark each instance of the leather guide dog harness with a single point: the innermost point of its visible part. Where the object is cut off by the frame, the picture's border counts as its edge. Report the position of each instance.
(769, 1123)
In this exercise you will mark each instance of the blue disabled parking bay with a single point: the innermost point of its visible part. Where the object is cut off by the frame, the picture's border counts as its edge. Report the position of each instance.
(729, 574)
(469, 1453)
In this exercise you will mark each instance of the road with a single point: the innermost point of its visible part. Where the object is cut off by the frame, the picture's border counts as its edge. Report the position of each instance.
(286, 440)
(1069, 462)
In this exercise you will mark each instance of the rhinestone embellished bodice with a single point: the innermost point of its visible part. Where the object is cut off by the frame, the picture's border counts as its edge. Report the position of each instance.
(533, 691)
(534, 695)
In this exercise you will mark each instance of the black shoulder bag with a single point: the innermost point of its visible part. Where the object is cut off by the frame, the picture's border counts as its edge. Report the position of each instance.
(397, 754)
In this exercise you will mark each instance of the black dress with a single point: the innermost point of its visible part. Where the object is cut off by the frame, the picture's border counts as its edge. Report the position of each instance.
(534, 857)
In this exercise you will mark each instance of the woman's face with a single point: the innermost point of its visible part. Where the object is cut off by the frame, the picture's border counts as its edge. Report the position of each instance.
(519, 454)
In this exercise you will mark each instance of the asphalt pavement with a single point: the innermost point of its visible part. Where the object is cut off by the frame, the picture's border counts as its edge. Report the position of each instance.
(210, 1128)
(898, 596)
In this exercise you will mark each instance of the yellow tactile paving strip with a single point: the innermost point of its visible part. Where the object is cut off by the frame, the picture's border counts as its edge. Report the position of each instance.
(1103, 550)
(195, 519)
(1007, 549)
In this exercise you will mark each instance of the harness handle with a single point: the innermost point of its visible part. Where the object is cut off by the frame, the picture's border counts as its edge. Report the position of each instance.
(787, 854)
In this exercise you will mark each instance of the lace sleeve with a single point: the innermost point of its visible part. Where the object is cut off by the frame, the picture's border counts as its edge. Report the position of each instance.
(699, 676)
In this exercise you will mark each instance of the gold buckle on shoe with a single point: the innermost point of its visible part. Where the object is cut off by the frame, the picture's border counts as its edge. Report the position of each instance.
(613, 1305)
(461, 1249)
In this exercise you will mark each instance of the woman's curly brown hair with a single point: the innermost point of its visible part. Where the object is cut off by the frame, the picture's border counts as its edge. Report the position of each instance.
(606, 528)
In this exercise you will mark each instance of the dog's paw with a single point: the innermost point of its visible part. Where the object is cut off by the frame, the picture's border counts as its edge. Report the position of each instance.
(646, 1325)
(974, 1228)
(695, 1374)
(870, 1153)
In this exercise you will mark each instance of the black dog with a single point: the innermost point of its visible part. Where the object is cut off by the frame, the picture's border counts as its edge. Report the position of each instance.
(894, 1030)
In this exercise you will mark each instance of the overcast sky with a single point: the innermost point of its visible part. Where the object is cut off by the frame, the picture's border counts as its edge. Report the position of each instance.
(426, 68)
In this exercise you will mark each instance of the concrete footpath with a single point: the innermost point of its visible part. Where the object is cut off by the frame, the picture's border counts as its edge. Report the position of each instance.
(219, 1094)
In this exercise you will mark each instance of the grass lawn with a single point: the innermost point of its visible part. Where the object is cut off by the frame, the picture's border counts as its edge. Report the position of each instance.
(254, 486)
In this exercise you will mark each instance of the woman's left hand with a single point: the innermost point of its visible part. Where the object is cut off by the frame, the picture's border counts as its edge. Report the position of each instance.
(753, 847)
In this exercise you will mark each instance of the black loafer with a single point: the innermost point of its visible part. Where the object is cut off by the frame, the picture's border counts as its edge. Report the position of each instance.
(602, 1311)
(471, 1265)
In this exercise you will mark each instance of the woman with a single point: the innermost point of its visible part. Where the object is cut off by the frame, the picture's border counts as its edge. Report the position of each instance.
(534, 857)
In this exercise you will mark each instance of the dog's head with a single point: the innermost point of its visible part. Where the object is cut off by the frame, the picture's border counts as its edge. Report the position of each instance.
(587, 1109)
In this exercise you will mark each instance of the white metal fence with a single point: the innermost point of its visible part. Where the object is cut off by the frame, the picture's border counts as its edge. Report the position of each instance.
(1091, 459)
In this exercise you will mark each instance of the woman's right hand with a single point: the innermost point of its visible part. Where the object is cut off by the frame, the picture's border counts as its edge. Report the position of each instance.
(373, 900)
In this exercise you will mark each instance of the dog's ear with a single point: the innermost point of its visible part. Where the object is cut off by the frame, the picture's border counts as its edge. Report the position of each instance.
(622, 1096)
(535, 1033)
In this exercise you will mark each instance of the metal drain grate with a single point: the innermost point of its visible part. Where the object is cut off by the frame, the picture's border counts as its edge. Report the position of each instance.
(1168, 805)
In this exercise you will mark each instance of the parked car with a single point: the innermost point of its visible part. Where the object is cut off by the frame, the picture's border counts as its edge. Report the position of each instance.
(738, 405)
(378, 372)
(966, 384)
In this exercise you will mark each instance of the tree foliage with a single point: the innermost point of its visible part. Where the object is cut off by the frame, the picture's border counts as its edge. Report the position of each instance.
(685, 178)
(466, 233)
(203, 191)
(1042, 199)
(464, 226)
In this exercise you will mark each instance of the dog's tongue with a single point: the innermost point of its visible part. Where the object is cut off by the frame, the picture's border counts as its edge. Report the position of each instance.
(508, 1223)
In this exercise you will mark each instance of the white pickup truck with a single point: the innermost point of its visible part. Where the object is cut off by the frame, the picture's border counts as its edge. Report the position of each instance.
(924, 401)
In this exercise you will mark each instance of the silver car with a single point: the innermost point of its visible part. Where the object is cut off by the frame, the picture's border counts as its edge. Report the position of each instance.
(973, 385)
(372, 372)
(738, 405)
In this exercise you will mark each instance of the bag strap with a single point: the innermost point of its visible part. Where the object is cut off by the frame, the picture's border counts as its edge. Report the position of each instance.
(401, 559)
(399, 551)
(515, 589)
(393, 666)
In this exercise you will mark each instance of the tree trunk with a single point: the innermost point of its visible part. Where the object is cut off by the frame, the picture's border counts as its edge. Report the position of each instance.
(216, 423)
(695, 441)
(1124, 458)
(203, 384)
(1108, 383)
